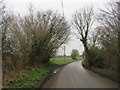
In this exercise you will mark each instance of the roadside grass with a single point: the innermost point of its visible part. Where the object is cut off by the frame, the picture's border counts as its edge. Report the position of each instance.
(36, 75)
(33, 80)
(113, 75)
(107, 73)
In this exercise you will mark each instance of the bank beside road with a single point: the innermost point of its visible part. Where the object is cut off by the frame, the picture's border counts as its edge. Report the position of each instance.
(113, 75)
(33, 77)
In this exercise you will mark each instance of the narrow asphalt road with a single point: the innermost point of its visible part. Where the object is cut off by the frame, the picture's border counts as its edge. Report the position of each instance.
(74, 75)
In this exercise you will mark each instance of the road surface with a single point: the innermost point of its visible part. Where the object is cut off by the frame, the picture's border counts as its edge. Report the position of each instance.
(74, 75)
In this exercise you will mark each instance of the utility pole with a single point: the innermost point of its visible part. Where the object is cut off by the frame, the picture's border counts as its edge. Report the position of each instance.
(63, 16)
(64, 54)
(62, 7)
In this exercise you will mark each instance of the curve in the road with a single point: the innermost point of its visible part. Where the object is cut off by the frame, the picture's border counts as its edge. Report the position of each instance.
(74, 75)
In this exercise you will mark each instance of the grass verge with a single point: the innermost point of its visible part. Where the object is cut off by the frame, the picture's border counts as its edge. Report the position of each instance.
(34, 77)
(113, 75)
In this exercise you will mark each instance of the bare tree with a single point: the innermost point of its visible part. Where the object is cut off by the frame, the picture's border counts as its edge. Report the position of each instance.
(109, 35)
(38, 36)
(56, 32)
(83, 21)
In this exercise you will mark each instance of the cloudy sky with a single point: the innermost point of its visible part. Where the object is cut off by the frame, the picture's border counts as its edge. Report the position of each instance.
(70, 6)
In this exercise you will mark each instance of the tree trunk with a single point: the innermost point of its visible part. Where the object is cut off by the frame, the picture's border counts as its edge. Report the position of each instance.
(87, 54)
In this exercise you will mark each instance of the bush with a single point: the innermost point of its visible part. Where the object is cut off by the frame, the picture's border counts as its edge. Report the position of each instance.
(95, 58)
(74, 54)
(98, 61)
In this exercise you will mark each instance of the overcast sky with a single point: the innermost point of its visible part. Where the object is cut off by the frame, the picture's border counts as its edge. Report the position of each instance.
(70, 6)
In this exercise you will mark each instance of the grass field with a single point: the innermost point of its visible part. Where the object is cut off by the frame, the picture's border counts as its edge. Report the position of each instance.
(62, 61)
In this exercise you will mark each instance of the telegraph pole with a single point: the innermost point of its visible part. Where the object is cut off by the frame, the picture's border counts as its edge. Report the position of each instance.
(63, 16)
(62, 7)
(64, 54)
